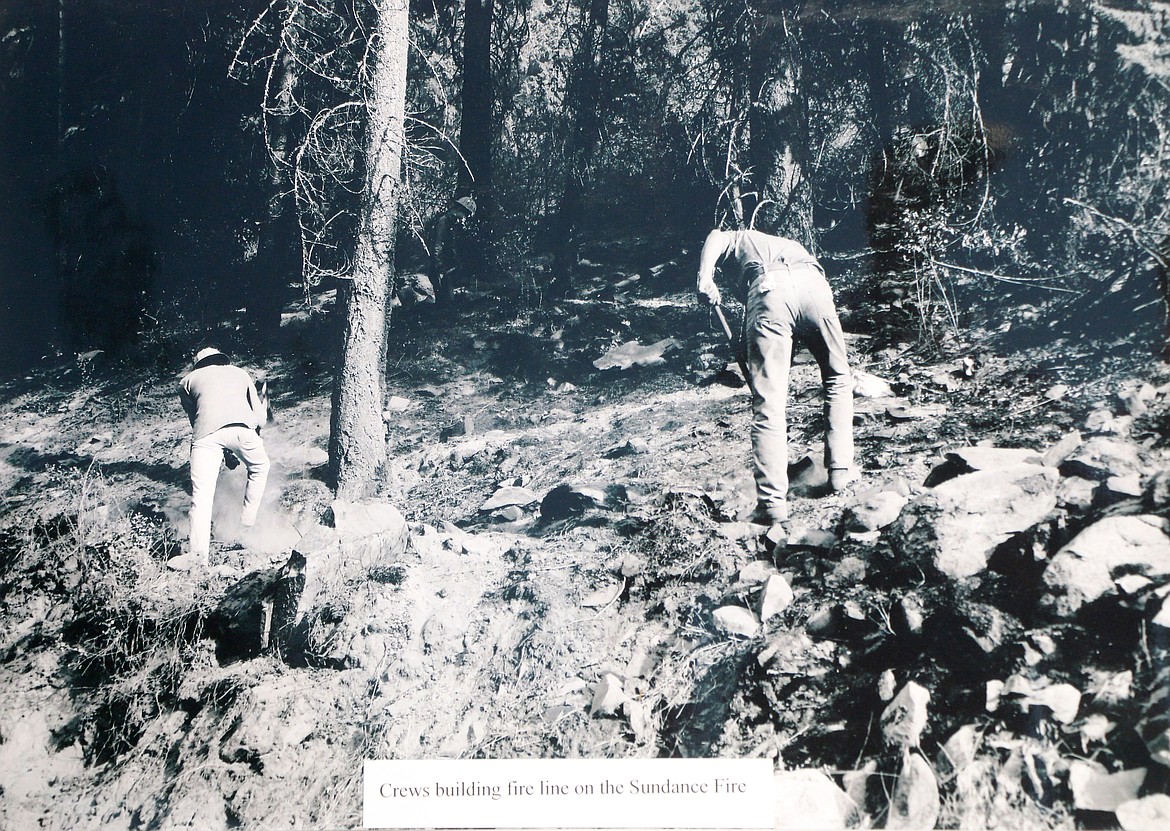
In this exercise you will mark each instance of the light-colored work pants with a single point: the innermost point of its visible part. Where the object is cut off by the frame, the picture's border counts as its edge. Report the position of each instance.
(782, 304)
(206, 458)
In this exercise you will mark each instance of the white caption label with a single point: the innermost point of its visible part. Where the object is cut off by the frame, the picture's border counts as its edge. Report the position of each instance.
(569, 793)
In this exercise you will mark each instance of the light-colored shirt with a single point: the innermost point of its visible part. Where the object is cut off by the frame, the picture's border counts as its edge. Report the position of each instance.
(218, 395)
(755, 252)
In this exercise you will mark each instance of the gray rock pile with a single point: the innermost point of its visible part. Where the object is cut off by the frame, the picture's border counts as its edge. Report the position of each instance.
(1004, 627)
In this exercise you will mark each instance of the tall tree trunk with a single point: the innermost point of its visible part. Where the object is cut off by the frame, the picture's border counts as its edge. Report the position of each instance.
(278, 235)
(779, 123)
(475, 128)
(583, 99)
(357, 441)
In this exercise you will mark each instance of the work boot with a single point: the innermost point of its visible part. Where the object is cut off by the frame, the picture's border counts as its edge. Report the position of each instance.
(842, 477)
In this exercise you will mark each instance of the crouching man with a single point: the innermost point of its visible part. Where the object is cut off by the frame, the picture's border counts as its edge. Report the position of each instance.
(788, 298)
(226, 413)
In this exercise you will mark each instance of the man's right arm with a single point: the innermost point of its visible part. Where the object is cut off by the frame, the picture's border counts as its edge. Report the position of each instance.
(187, 401)
(714, 247)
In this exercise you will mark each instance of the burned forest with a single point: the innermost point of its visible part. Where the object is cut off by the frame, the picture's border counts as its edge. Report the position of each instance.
(511, 460)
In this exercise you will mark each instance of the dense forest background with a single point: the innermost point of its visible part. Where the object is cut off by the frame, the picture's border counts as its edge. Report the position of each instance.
(168, 162)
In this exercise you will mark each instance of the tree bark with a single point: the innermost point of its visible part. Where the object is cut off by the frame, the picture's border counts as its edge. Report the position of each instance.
(475, 128)
(584, 100)
(357, 441)
(779, 124)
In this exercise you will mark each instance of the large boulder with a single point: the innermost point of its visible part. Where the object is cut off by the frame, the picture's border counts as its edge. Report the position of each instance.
(973, 459)
(808, 799)
(1101, 457)
(1084, 570)
(957, 526)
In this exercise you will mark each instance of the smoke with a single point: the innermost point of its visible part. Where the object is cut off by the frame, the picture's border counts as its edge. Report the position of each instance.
(273, 533)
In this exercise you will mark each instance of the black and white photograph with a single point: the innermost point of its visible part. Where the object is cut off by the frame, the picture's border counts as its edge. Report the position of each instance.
(646, 414)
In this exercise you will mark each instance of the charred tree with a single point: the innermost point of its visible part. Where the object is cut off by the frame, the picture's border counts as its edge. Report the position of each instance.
(357, 440)
(276, 257)
(475, 128)
(584, 100)
(779, 123)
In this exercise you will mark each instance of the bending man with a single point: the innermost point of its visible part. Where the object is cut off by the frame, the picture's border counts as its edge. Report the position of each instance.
(226, 414)
(787, 297)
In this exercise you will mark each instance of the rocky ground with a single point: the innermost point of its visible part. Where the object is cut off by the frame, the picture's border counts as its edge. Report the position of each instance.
(558, 564)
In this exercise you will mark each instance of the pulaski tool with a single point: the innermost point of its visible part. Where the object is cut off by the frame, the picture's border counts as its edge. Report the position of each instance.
(739, 358)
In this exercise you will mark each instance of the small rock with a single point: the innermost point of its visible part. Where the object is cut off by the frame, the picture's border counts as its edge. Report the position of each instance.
(1113, 688)
(1064, 700)
(1064, 447)
(856, 784)
(991, 458)
(903, 720)
(564, 502)
(1094, 729)
(741, 531)
(1157, 743)
(640, 665)
(910, 413)
(608, 696)
(909, 615)
(887, 685)
(604, 596)
(632, 566)
(993, 695)
(1095, 789)
(850, 571)
(958, 751)
(872, 512)
(1056, 392)
(1123, 487)
(512, 513)
(631, 353)
(509, 496)
(397, 404)
(1075, 493)
(1102, 420)
(1137, 398)
(866, 385)
(1150, 813)
(1162, 618)
(755, 572)
(595, 493)
(824, 623)
(1131, 584)
(914, 803)
(789, 653)
(414, 289)
(631, 447)
(775, 598)
(985, 626)
(972, 459)
(736, 620)
(354, 520)
(803, 537)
